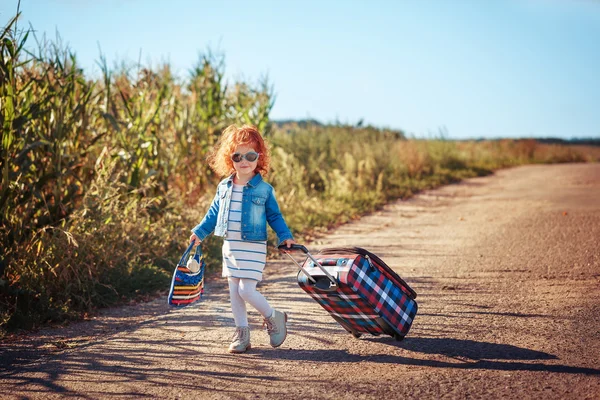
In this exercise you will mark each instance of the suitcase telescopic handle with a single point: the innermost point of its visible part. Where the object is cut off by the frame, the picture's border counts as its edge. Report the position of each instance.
(295, 247)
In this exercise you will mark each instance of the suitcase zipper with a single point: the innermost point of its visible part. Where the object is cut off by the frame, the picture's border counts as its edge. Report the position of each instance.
(378, 261)
(370, 262)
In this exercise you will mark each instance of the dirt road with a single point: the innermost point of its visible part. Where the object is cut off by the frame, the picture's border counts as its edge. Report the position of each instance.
(507, 268)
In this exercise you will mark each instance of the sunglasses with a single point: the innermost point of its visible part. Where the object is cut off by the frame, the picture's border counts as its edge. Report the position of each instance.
(250, 156)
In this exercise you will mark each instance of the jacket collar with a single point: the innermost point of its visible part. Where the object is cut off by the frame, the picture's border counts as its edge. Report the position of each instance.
(256, 180)
(253, 182)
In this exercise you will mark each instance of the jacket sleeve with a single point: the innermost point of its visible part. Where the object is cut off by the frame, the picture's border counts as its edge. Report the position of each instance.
(207, 226)
(275, 219)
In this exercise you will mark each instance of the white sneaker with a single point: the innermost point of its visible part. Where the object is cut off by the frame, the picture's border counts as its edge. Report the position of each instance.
(276, 327)
(241, 340)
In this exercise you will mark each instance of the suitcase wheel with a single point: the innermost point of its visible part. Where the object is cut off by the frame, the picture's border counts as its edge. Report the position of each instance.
(356, 334)
(399, 338)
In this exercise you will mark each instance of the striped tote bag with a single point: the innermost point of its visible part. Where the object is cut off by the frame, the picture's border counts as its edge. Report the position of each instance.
(187, 285)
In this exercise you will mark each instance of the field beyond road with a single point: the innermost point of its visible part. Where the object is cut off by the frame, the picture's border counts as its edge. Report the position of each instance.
(507, 268)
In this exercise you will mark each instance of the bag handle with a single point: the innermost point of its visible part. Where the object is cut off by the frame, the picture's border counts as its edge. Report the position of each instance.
(187, 253)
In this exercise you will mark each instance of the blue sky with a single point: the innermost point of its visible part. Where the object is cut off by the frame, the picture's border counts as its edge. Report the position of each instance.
(471, 69)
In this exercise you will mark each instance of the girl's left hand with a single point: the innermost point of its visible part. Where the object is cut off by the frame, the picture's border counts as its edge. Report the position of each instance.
(289, 242)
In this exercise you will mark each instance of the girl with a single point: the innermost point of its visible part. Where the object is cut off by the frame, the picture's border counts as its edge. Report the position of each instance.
(242, 206)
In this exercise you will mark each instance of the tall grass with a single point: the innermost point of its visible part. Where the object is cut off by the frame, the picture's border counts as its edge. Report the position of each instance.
(102, 179)
(327, 175)
(99, 177)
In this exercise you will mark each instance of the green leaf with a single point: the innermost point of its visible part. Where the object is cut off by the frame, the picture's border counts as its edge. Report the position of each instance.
(112, 121)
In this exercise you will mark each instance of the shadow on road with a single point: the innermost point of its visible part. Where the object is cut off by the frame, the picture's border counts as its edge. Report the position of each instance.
(134, 362)
(468, 354)
(468, 349)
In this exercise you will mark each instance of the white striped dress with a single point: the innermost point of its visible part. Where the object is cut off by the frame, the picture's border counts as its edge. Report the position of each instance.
(241, 258)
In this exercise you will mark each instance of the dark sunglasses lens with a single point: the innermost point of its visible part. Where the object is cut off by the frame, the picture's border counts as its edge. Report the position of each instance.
(251, 156)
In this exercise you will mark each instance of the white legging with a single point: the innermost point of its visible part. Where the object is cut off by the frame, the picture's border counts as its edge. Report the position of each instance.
(244, 290)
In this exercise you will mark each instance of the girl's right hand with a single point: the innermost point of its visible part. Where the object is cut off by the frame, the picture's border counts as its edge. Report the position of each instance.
(195, 239)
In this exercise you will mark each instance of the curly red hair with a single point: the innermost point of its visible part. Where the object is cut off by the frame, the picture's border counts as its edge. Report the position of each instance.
(233, 136)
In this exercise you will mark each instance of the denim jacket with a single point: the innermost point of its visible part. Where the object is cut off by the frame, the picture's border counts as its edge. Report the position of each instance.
(259, 206)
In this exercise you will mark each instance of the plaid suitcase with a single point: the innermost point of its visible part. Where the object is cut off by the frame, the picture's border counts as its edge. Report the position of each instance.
(358, 290)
